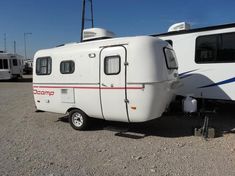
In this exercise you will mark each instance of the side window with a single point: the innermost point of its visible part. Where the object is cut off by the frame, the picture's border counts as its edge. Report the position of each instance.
(43, 66)
(206, 49)
(219, 48)
(170, 58)
(112, 65)
(226, 52)
(67, 67)
(14, 61)
(5, 64)
(1, 65)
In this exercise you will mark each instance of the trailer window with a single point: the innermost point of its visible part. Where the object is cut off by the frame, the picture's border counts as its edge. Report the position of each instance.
(112, 65)
(14, 62)
(3, 64)
(43, 66)
(67, 67)
(219, 48)
(170, 42)
(170, 58)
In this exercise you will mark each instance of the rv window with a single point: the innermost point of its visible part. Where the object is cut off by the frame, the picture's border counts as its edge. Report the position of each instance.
(170, 58)
(112, 65)
(226, 51)
(1, 66)
(206, 48)
(43, 66)
(219, 48)
(170, 42)
(67, 67)
(5, 64)
(14, 62)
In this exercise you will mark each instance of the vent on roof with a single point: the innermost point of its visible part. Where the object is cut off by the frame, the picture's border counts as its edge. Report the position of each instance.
(179, 27)
(96, 34)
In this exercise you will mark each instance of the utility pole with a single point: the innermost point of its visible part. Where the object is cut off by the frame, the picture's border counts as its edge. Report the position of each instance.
(84, 19)
(25, 44)
(14, 47)
(92, 17)
(5, 42)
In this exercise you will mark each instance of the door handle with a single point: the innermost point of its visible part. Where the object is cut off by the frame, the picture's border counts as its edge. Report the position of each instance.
(104, 85)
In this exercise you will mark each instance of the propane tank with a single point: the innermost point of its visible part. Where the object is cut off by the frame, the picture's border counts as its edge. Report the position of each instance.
(189, 104)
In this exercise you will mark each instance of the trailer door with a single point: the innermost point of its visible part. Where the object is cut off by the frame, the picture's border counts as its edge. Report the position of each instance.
(113, 83)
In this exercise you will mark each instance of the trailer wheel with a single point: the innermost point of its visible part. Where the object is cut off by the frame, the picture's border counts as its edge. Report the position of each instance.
(78, 119)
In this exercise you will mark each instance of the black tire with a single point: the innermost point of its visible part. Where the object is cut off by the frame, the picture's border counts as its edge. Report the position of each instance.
(78, 119)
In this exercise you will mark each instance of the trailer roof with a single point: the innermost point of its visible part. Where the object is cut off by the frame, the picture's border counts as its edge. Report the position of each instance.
(209, 28)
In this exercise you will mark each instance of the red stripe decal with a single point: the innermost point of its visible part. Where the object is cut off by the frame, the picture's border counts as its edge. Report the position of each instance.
(81, 87)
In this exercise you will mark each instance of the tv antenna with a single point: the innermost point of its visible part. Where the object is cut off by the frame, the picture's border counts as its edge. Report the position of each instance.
(84, 19)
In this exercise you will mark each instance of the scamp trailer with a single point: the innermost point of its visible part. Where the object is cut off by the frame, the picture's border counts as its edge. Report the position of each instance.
(129, 79)
(11, 66)
(206, 58)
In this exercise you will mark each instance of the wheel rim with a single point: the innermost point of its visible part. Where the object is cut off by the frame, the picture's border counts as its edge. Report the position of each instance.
(77, 119)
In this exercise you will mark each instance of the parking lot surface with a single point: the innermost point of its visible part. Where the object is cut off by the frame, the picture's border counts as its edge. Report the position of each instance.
(43, 143)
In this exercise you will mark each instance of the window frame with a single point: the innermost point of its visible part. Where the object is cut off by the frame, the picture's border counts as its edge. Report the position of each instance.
(166, 60)
(48, 59)
(70, 61)
(105, 65)
(219, 45)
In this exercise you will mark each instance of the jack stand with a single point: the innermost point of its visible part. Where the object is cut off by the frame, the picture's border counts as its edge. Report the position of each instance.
(205, 131)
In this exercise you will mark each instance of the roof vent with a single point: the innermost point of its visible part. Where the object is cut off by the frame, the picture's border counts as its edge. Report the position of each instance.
(179, 27)
(97, 34)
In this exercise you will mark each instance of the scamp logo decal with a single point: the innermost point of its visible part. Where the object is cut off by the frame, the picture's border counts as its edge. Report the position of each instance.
(43, 92)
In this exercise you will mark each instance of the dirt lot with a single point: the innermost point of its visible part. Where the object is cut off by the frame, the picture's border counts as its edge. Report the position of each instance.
(44, 143)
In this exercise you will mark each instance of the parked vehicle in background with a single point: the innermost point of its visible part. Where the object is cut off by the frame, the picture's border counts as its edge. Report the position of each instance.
(206, 59)
(11, 66)
(28, 66)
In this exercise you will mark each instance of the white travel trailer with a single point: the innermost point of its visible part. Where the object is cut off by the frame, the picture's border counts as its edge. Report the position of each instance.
(11, 66)
(129, 79)
(206, 58)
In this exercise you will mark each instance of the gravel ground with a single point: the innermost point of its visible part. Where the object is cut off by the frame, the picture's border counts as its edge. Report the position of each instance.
(44, 143)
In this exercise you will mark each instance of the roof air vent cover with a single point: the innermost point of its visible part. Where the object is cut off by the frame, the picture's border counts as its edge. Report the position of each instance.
(97, 34)
(179, 27)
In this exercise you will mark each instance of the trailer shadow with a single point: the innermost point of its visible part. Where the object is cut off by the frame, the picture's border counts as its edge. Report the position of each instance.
(19, 80)
(170, 126)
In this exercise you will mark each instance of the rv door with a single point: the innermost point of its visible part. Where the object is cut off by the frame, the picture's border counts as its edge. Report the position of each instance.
(113, 83)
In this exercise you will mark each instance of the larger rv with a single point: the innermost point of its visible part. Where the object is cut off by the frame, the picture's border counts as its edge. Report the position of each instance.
(206, 58)
(11, 66)
(129, 79)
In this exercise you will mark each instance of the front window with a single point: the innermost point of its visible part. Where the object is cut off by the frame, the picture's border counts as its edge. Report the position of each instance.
(170, 58)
